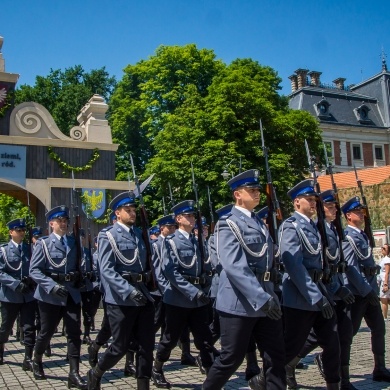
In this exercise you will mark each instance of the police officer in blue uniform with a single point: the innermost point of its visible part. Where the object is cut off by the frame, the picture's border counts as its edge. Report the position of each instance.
(17, 290)
(55, 269)
(184, 298)
(361, 280)
(305, 298)
(124, 275)
(246, 302)
(340, 295)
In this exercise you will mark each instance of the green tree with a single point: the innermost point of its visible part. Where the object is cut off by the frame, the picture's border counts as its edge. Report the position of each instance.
(64, 93)
(150, 91)
(220, 129)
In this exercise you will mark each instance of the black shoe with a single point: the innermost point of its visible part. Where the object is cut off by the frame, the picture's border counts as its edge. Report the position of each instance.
(290, 377)
(27, 365)
(87, 340)
(93, 353)
(381, 374)
(257, 382)
(75, 380)
(301, 366)
(159, 379)
(187, 359)
(37, 368)
(130, 370)
(320, 366)
(48, 351)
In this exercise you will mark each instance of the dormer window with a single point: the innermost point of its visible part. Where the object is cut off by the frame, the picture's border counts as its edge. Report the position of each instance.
(322, 109)
(361, 114)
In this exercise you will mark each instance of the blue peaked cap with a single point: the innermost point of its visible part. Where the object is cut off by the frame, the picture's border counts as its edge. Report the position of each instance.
(328, 196)
(166, 220)
(263, 213)
(184, 207)
(36, 231)
(352, 204)
(154, 230)
(204, 223)
(57, 212)
(248, 178)
(17, 223)
(123, 199)
(224, 210)
(303, 188)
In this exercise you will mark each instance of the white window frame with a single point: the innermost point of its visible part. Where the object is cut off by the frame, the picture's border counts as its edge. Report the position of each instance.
(361, 151)
(374, 146)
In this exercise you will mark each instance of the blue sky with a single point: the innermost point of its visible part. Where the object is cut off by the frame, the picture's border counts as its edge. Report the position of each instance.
(340, 38)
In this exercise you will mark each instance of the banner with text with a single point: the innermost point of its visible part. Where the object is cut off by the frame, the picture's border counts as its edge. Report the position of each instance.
(13, 163)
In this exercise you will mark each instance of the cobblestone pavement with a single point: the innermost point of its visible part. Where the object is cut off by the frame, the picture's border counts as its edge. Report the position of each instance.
(12, 377)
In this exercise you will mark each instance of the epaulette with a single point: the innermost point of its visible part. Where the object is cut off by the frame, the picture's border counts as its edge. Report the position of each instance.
(226, 216)
(106, 228)
(43, 237)
(290, 219)
(170, 236)
(5, 244)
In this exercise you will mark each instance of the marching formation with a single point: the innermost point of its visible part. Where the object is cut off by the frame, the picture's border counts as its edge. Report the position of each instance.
(256, 284)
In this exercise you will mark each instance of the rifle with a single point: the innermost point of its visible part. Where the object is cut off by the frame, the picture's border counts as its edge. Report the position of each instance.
(274, 210)
(212, 223)
(198, 220)
(144, 227)
(367, 219)
(164, 208)
(170, 195)
(76, 227)
(337, 222)
(321, 224)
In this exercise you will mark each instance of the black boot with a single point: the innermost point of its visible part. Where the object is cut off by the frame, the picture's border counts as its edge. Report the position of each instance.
(93, 352)
(130, 369)
(333, 386)
(345, 383)
(200, 364)
(252, 368)
(93, 324)
(380, 373)
(94, 378)
(143, 384)
(290, 373)
(27, 362)
(37, 367)
(158, 376)
(257, 382)
(320, 366)
(87, 339)
(48, 351)
(1, 354)
(74, 378)
(186, 358)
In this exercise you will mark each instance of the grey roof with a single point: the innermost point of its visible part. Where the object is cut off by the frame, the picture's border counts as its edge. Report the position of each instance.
(341, 105)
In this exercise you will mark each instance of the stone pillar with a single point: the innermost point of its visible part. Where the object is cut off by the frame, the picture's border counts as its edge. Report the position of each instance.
(315, 78)
(302, 74)
(294, 82)
(339, 82)
(93, 118)
(7, 90)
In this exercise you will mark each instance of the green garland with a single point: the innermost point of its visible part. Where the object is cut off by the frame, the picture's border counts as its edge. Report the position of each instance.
(7, 103)
(66, 167)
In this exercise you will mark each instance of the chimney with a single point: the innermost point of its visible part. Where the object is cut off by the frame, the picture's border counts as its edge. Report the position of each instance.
(339, 83)
(302, 74)
(315, 78)
(294, 82)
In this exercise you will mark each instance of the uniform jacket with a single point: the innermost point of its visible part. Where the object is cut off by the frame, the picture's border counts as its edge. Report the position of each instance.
(10, 278)
(40, 266)
(299, 291)
(355, 279)
(333, 248)
(180, 292)
(87, 267)
(96, 271)
(116, 288)
(162, 281)
(239, 291)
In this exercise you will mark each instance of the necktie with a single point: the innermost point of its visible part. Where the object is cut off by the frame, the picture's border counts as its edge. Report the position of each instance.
(313, 224)
(364, 235)
(20, 248)
(63, 242)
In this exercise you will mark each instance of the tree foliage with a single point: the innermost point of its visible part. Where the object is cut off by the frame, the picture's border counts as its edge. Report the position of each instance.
(64, 93)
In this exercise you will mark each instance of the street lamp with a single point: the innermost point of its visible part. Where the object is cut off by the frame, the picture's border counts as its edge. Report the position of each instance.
(225, 174)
